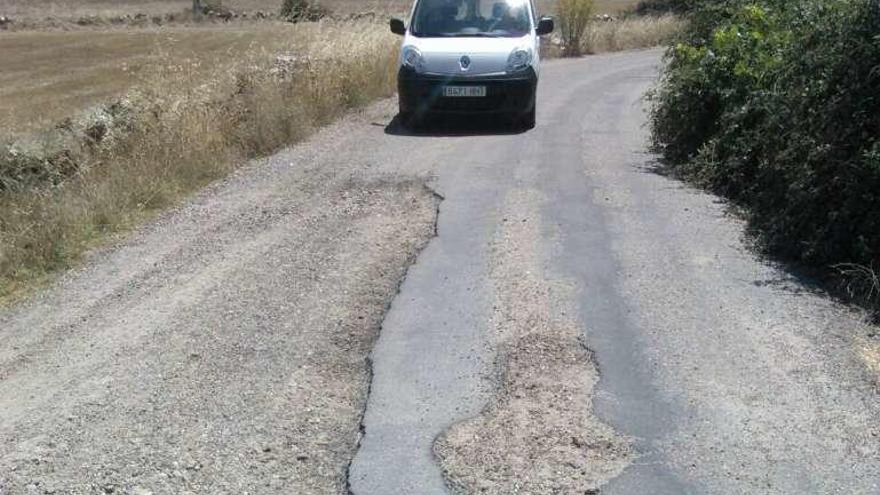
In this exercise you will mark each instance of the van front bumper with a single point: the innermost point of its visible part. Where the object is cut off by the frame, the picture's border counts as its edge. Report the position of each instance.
(512, 94)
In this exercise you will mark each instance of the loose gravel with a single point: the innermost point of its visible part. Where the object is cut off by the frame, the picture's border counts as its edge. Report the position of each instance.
(539, 434)
(222, 349)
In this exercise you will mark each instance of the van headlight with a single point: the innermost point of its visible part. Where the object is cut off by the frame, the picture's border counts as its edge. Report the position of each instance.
(520, 59)
(412, 58)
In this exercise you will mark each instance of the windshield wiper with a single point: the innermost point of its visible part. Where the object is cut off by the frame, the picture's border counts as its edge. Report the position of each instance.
(477, 35)
(460, 35)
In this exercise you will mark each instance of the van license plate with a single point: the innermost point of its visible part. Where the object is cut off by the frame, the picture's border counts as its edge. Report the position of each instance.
(464, 91)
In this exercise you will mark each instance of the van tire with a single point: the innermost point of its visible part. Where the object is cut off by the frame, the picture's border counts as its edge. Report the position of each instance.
(527, 121)
(406, 120)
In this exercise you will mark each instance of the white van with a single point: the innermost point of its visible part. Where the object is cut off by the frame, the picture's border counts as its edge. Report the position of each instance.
(470, 56)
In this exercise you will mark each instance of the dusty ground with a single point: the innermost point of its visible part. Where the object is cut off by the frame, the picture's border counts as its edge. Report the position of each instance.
(222, 349)
(539, 433)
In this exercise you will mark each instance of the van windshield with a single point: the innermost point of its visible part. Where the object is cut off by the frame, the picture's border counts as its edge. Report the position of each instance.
(471, 18)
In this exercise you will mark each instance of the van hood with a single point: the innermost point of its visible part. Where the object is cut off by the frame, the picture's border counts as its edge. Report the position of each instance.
(486, 55)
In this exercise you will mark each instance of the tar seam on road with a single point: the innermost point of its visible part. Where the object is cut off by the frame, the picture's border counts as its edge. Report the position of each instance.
(412, 261)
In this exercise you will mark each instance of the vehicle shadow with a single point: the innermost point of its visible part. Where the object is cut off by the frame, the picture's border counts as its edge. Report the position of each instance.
(455, 126)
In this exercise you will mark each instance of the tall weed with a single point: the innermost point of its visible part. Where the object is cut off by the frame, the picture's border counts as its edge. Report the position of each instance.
(630, 33)
(574, 18)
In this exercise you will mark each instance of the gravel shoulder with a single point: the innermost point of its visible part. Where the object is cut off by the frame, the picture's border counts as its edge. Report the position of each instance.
(223, 348)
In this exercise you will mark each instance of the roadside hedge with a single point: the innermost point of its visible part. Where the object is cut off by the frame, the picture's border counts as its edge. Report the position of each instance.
(776, 105)
(663, 6)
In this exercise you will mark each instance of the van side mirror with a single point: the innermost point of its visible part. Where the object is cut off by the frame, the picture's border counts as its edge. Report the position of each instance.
(398, 27)
(545, 26)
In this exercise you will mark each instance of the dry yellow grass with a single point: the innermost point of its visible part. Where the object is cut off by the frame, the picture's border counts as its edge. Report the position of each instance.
(76, 8)
(869, 351)
(187, 126)
(629, 33)
(599, 6)
(48, 76)
(625, 33)
(574, 16)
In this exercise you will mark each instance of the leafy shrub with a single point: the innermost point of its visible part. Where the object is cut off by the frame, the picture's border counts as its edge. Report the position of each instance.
(208, 7)
(53, 156)
(645, 7)
(294, 8)
(776, 104)
(303, 10)
(21, 169)
(574, 17)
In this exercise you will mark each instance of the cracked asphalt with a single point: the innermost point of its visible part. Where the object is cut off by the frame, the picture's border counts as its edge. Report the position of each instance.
(717, 373)
(565, 320)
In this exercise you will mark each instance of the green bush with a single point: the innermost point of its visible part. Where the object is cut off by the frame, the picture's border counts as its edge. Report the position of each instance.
(776, 104)
(23, 169)
(291, 8)
(645, 7)
(303, 10)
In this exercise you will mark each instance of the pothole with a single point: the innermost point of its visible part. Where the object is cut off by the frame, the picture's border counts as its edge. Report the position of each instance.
(539, 433)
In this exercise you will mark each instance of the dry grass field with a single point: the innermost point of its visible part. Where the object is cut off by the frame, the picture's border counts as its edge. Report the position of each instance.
(48, 76)
(180, 127)
(72, 8)
(630, 33)
(76, 8)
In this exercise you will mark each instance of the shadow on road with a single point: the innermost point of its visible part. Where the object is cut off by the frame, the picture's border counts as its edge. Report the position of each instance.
(792, 277)
(454, 126)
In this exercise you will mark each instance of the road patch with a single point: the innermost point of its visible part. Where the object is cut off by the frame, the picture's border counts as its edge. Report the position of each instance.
(539, 433)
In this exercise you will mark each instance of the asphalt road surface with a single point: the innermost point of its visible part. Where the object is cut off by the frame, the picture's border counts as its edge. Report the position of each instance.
(565, 320)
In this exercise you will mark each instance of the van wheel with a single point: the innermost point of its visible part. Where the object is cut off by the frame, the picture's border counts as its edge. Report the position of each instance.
(527, 121)
(404, 119)
(410, 120)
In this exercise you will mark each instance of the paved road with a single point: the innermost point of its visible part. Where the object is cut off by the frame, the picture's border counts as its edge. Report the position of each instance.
(574, 321)
(725, 374)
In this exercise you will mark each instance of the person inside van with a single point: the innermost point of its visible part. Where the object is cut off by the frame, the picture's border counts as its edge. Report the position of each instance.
(441, 16)
(503, 19)
(472, 18)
